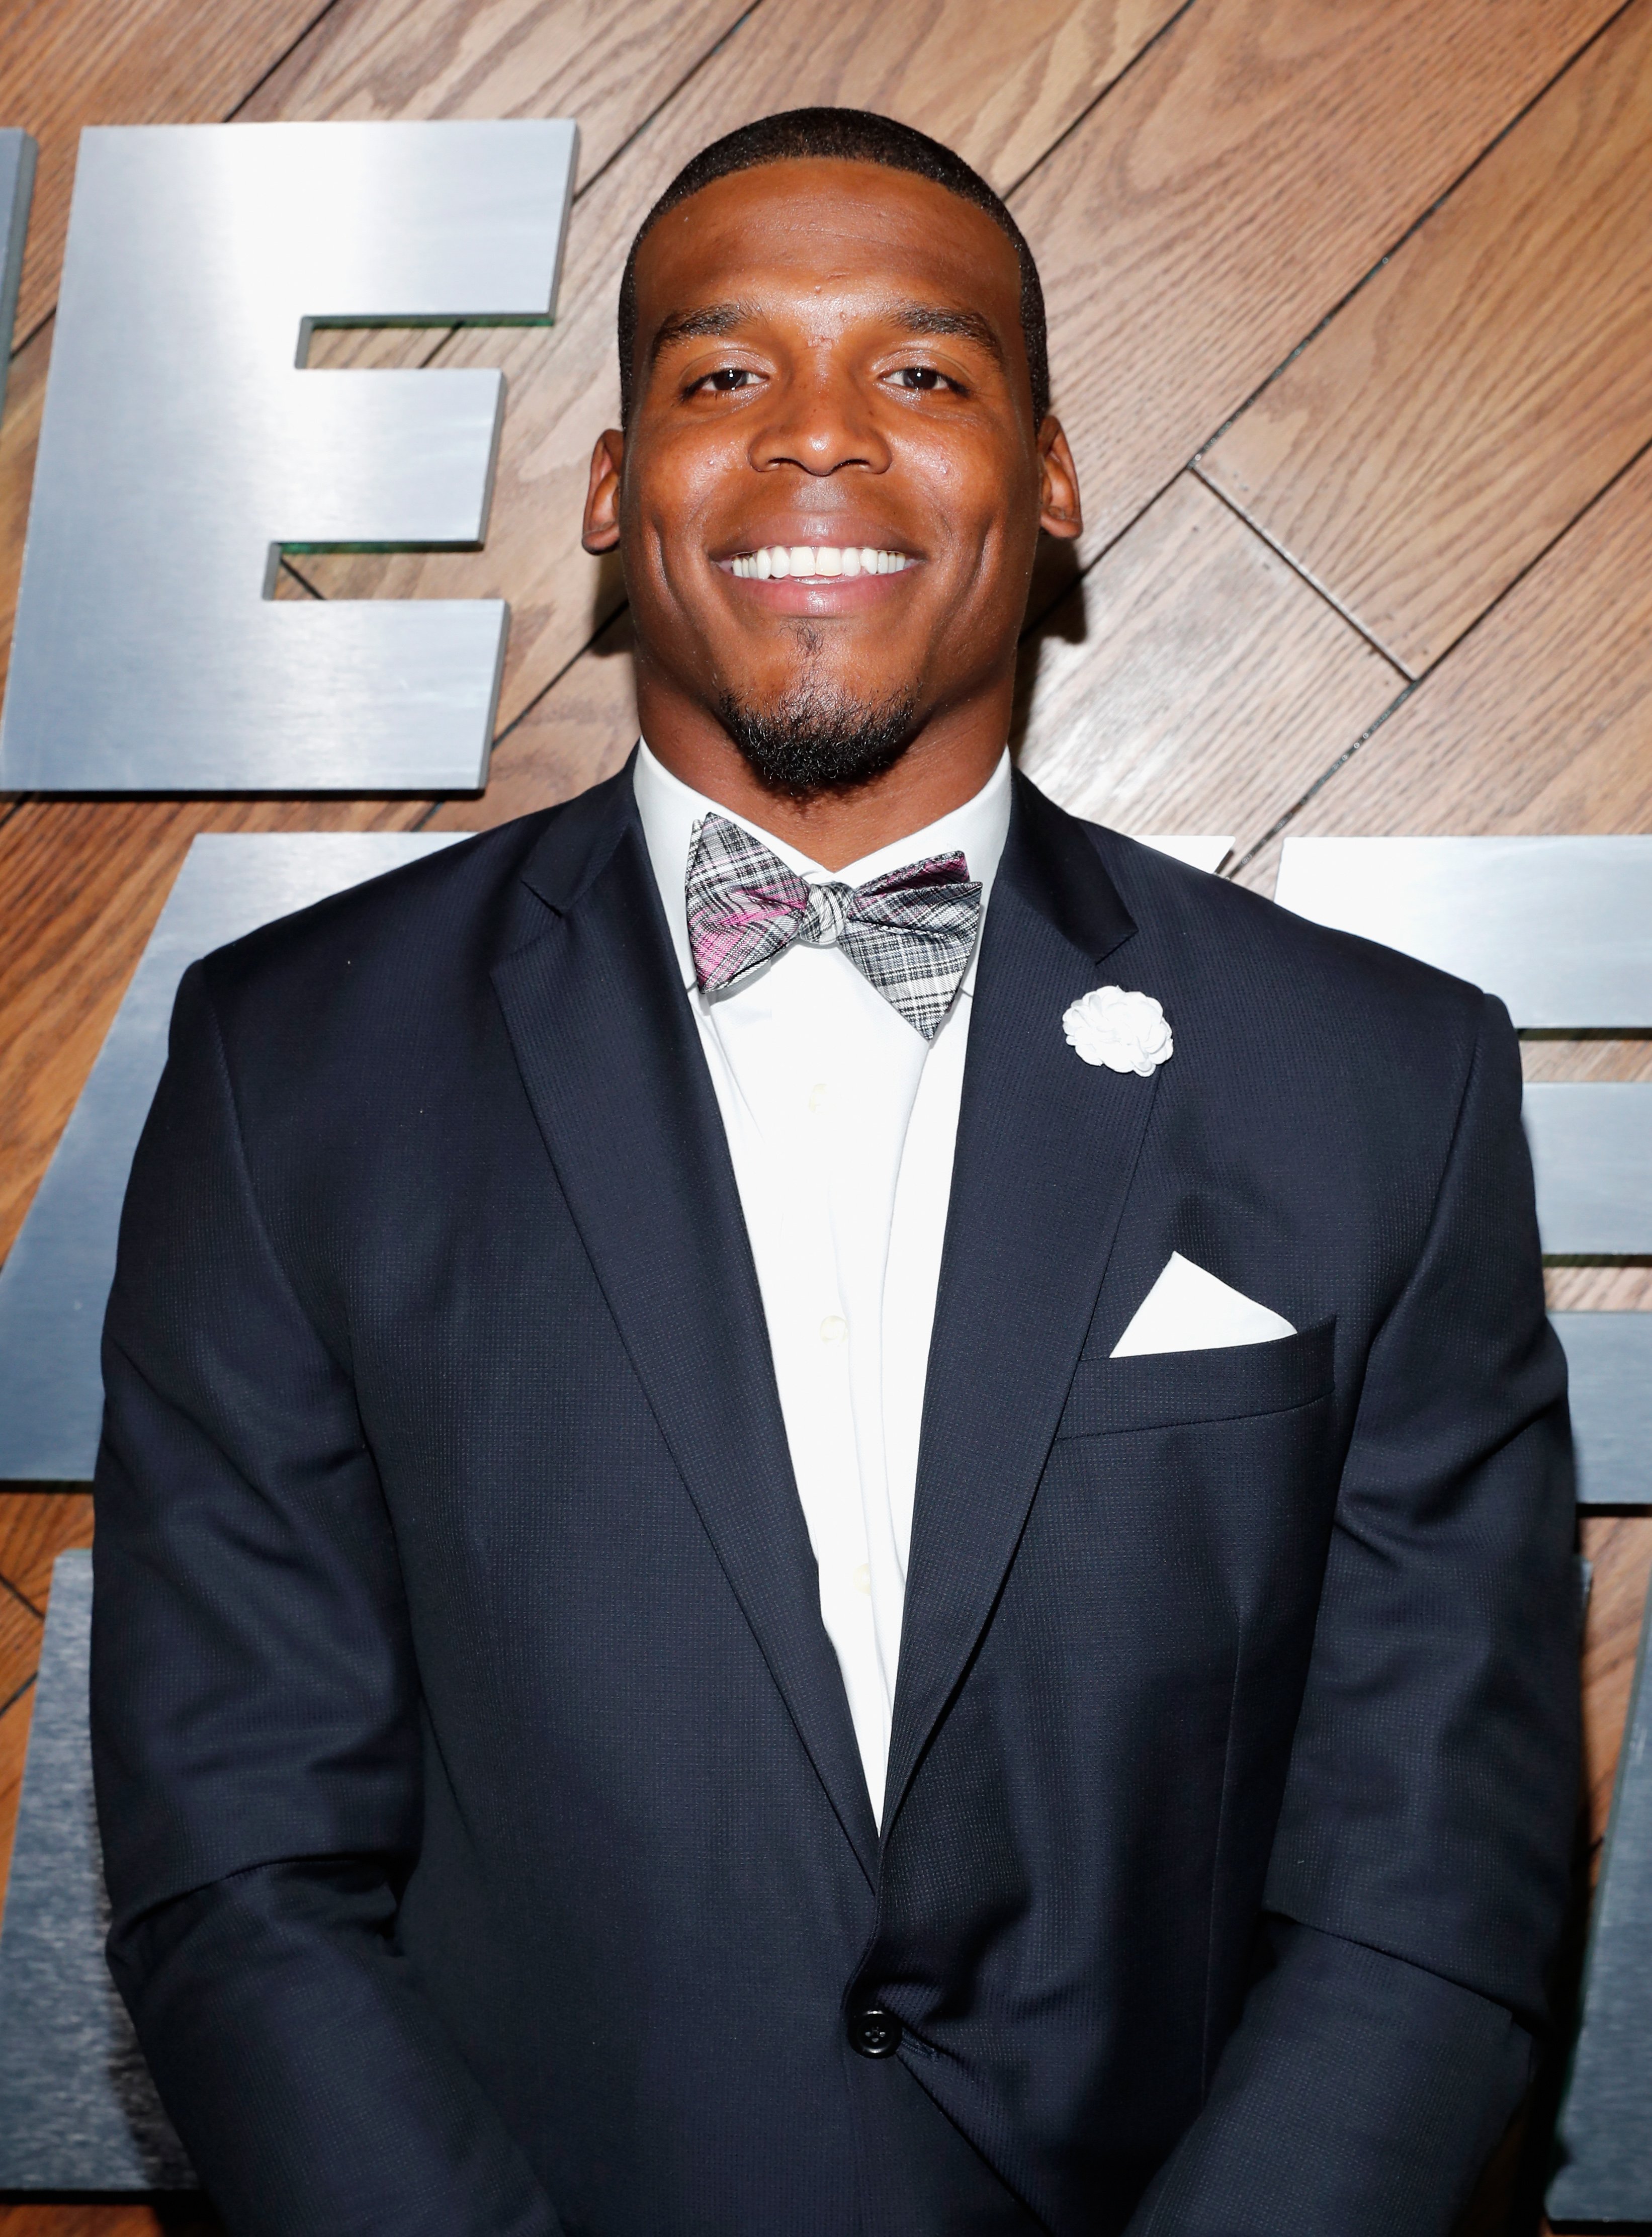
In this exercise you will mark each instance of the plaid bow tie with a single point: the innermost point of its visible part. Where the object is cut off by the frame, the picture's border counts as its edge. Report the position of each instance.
(908, 933)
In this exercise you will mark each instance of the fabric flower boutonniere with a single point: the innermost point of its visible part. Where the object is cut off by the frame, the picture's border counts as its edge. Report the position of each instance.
(1127, 1033)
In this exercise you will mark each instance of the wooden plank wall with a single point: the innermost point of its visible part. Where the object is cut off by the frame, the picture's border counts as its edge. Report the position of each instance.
(1350, 307)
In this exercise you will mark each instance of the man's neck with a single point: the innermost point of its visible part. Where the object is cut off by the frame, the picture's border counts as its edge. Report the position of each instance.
(933, 776)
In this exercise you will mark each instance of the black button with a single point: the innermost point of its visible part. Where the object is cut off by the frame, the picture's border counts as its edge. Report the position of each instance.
(874, 2032)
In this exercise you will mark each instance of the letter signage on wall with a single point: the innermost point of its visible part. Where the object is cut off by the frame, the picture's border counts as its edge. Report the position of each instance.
(183, 445)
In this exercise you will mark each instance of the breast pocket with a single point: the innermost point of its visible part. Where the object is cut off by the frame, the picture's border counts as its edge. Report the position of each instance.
(1157, 1391)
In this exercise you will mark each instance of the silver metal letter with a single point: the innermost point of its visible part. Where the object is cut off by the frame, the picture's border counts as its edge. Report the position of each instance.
(183, 445)
(54, 1285)
(18, 153)
(1560, 929)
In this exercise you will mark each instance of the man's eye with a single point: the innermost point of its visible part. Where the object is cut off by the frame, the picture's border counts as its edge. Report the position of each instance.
(727, 380)
(921, 378)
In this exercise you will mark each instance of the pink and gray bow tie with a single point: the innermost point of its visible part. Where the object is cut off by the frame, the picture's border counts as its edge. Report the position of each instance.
(908, 933)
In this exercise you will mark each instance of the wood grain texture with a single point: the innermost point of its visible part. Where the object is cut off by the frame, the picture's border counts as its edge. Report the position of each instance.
(940, 65)
(65, 63)
(1484, 384)
(20, 1629)
(1541, 719)
(1216, 208)
(609, 67)
(36, 1527)
(573, 736)
(19, 441)
(14, 1748)
(1190, 677)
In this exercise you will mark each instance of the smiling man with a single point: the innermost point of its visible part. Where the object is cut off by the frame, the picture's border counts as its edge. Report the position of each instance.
(830, 1505)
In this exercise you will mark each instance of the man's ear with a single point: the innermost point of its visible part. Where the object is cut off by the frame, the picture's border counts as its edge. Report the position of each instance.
(602, 529)
(1059, 512)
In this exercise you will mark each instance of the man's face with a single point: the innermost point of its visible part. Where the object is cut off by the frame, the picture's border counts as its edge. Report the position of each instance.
(829, 367)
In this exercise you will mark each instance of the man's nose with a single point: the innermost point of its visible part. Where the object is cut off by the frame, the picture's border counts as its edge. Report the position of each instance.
(822, 421)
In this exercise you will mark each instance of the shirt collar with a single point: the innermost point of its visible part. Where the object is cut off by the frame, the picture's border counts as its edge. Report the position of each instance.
(670, 809)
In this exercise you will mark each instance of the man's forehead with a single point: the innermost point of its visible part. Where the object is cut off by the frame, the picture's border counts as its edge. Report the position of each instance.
(831, 220)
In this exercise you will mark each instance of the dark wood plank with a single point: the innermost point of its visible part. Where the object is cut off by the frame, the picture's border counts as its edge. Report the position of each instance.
(64, 63)
(20, 1630)
(19, 440)
(940, 65)
(1482, 387)
(1217, 206)
(180, 2218)
(14, 1747)
(36, 1527)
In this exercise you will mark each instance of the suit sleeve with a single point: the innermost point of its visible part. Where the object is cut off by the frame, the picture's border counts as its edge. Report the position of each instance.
(1420, 1870)
(255, 1727)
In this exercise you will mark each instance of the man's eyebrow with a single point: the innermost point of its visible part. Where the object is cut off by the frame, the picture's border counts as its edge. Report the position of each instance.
(934, 319)
(710, 318)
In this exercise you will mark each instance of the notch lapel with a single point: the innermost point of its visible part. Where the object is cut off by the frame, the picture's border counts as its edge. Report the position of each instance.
(610, 1056)
(1046, 1148)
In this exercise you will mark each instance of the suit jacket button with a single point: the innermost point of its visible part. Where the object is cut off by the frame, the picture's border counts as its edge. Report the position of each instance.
(874, 2032)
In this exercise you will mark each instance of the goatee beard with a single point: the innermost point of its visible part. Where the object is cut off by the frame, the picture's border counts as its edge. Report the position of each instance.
(817, 740)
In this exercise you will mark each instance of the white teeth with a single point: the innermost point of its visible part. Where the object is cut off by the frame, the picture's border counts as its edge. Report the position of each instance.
(817, 562)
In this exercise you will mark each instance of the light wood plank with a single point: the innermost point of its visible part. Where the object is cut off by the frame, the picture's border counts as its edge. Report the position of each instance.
(939, 65)
(1225, 199)
(1191, 678)
(1482, 387)
(1540, 720)
(575, 735)
(609, 67)
(65, 63)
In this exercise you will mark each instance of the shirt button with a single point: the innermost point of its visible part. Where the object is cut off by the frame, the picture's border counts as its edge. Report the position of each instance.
(862, 1579)
(874, 2033)
(834, 1328)
(817, 1094)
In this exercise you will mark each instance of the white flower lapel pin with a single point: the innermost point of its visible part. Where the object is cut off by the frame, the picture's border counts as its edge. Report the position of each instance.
(1127, 1033)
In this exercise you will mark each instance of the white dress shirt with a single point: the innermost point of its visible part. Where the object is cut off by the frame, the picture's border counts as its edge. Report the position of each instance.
(841, 1123)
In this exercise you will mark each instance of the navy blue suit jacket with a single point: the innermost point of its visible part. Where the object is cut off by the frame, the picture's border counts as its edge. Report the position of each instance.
(486, 1836)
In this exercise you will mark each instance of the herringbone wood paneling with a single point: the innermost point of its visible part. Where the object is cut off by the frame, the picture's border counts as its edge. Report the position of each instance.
(1485, 385)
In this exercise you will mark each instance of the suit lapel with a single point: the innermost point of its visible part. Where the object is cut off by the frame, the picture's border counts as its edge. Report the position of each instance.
(610, 1056)
(1046, 1147)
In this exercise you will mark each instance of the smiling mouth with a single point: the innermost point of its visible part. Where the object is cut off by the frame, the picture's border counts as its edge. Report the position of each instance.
(815, 563)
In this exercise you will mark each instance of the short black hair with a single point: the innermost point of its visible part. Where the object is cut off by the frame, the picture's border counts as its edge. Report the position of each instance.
(852, 135)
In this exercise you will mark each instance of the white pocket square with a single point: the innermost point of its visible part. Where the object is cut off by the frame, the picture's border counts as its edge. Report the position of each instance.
(1188, 1310)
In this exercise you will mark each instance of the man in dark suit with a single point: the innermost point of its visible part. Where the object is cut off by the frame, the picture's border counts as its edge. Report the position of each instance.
(831, 1505)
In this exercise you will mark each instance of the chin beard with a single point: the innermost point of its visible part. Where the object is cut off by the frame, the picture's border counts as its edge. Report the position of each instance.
(815, 740)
